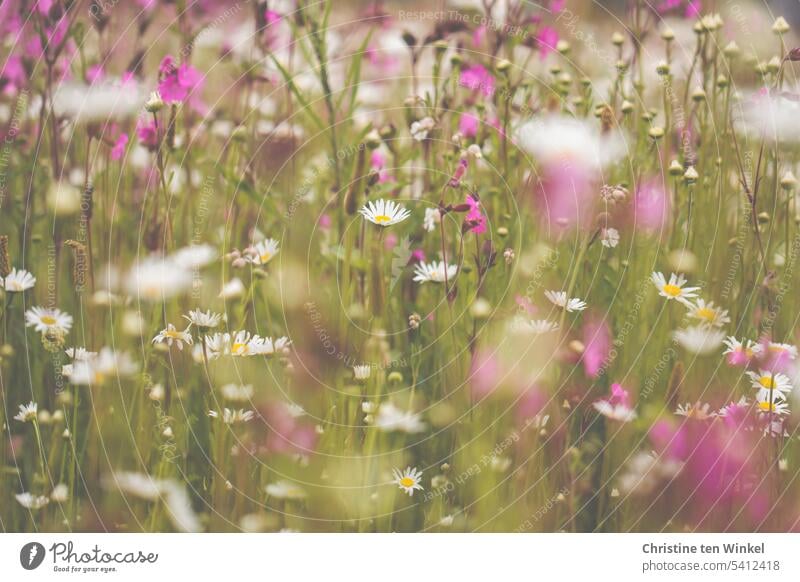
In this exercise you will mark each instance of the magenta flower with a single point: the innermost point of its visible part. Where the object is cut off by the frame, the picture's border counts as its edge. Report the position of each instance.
(475, 217)
(616, 406)
(718, 465)
(390, 241)
(565, 196)
(178, 83)
(461, 170)
(14, 76)
(119, 147)
(651, 207)
(479, 35)
(547, 39)
(286, 432)
(271, 17)
(478, 79)
(597, 346)
(148, 134)
(95, 73)
(485, 374)
(44, 6)
(691, 8)
(468, 125)
(378, 162)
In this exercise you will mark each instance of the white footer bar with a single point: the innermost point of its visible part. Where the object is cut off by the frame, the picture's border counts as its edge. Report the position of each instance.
(401, 557)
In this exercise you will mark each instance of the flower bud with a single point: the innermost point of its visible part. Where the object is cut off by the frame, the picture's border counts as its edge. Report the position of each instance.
(780, 26)
(788, 182)
(731, 50)
(154, 103)
(698, 95)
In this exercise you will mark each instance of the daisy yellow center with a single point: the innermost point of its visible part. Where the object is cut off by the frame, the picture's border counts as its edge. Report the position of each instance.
(766, 406)
(48, 320)
(706, 313)
(173, 333)
(381, 218)
(265, 256)
(15, 286)
(406, 482)
(671, 290)
(237, 348)
(767, 382)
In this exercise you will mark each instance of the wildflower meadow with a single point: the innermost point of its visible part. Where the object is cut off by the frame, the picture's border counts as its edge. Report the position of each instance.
(365, 266)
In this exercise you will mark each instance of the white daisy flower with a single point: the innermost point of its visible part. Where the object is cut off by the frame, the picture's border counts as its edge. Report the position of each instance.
(17, 281)
(31, 501)
(79, 353)
(244, 344)
(362, 371)
(434, 272)
(615, 411)
(205, 320)
(171, 492)
(390, 419)
(60, 493)
(195, 256)
(609, 238)
(295, 410)
(409, 480)
(700, 340)
(770, 382)
(559, 299)
(232, 289)
(696, 411)
(708, 313)
(263, 251)
(170, 335)
(237, 392)
(674, 288)
(233, 416)
(558, 140)
(236, 343)
(285, 490)
(27, 412)
(540, 326)
(733, 407)
(420, 129)
(744, 350)
(384, 212)
(787, 350)
(46, 320)
(156, 279)
(267, 346)
(432, 218)
(107, 364)
(777, 407)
